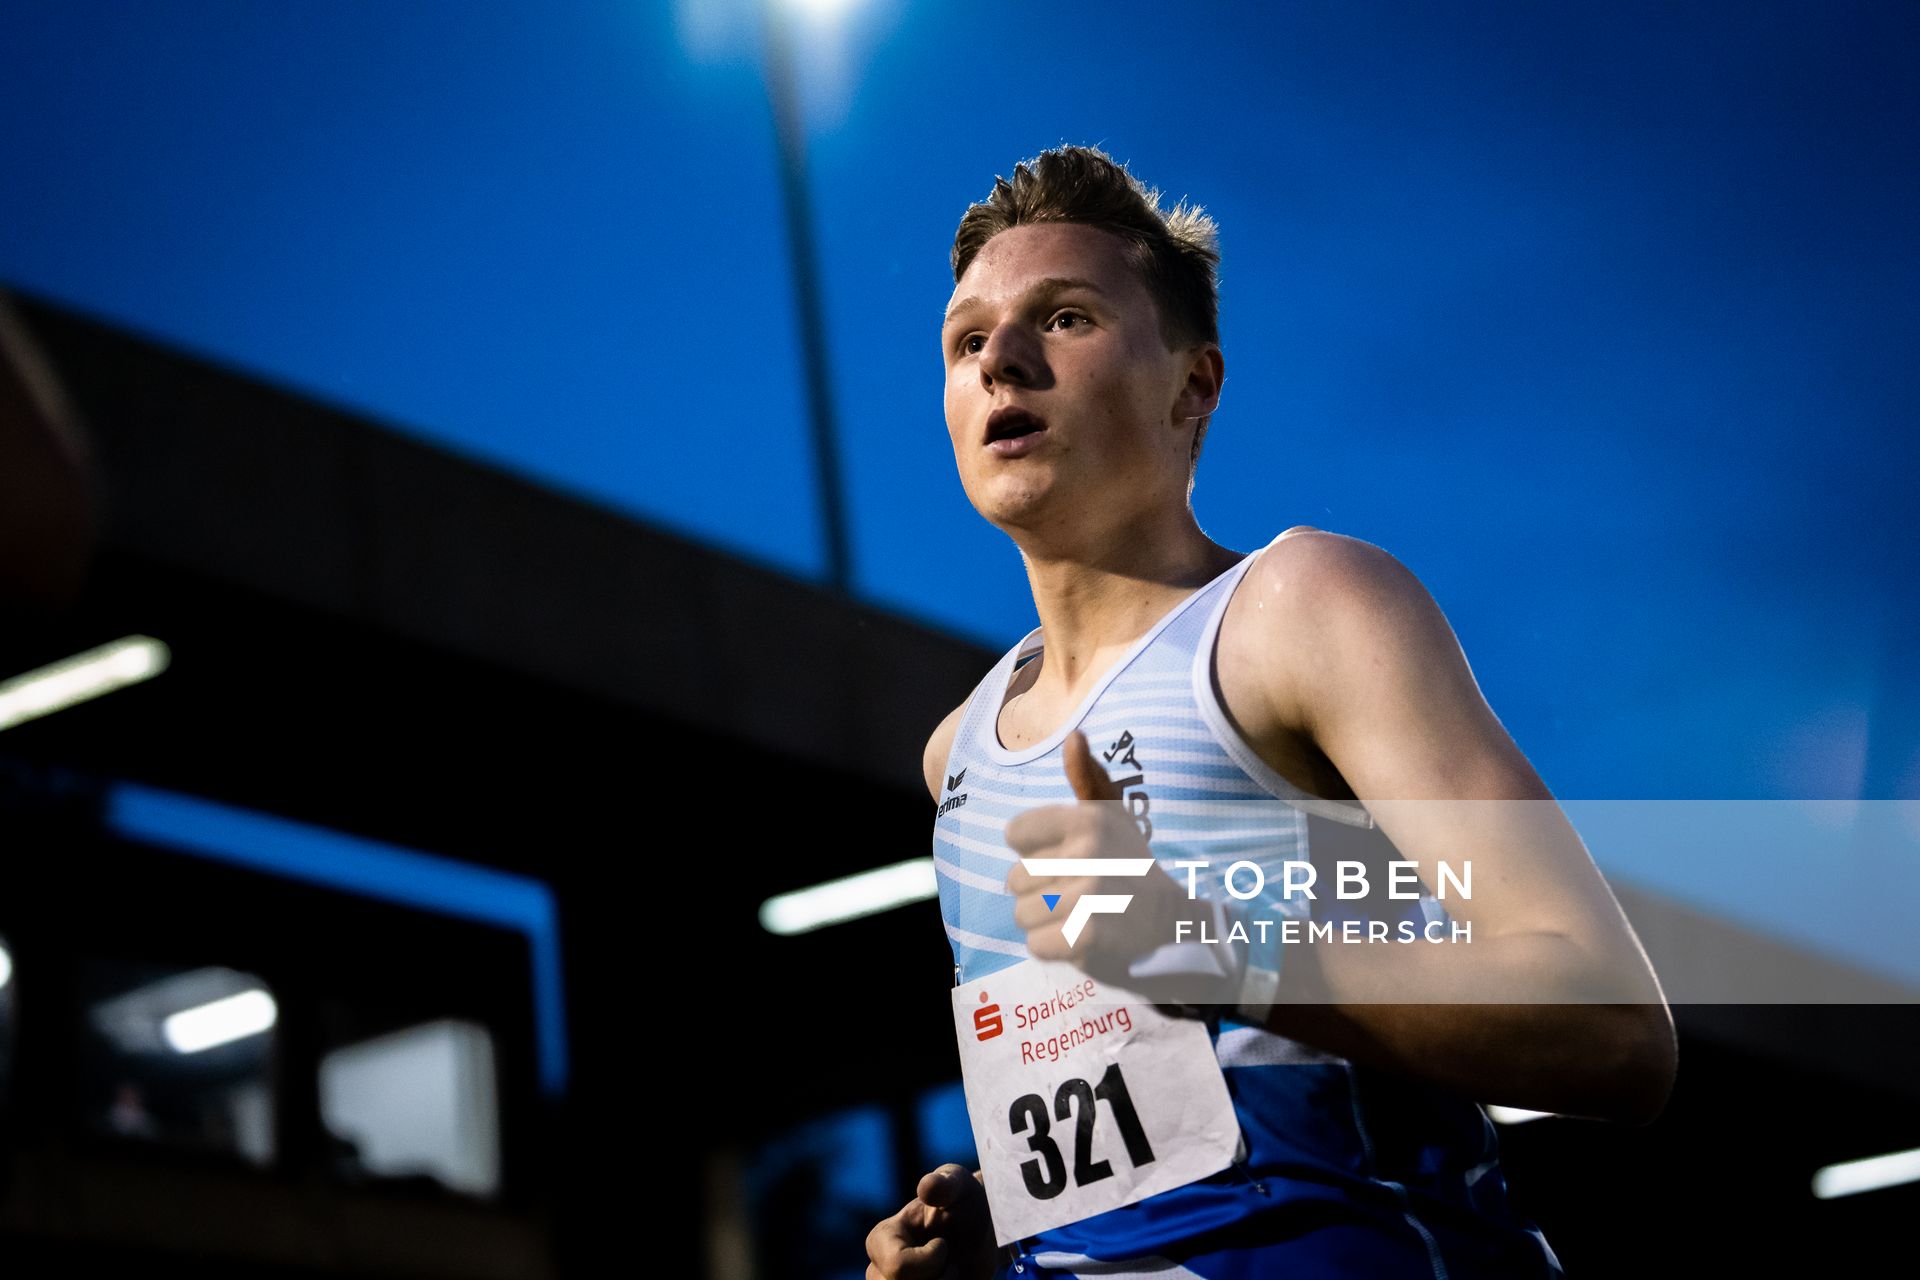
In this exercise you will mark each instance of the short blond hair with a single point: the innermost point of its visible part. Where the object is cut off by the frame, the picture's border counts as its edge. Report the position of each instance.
(1176, 253)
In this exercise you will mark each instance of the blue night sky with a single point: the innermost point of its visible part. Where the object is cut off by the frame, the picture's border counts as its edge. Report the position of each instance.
(1599, 317)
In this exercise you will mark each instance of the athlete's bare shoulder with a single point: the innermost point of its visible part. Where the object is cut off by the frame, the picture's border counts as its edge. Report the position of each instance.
(939, 747)
(1305, 559)
(1311, 592)
(1339, 655)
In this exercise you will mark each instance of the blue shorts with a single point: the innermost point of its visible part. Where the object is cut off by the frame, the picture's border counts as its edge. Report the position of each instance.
(1358, 1248)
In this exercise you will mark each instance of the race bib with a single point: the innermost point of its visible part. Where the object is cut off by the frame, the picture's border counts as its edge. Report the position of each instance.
(1084, 1097)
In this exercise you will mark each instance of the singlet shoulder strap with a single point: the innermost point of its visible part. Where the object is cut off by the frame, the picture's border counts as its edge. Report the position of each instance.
(1347, 812)
(986, 698)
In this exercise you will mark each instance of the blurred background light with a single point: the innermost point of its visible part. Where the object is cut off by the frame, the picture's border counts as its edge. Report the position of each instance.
(1515, 1115)
(1871, 1174)
(375, 869)
(207, 1026)
(84, 676)
(850, 897)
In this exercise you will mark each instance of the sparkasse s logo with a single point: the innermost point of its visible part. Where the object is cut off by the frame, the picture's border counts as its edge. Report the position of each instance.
(987, 1022)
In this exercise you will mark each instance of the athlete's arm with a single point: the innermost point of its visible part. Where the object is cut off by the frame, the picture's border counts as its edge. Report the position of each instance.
(939, 747)
(945, 1232)
(1333, 640)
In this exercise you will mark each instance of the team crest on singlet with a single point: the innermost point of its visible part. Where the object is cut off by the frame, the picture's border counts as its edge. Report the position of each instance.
(1133, 789)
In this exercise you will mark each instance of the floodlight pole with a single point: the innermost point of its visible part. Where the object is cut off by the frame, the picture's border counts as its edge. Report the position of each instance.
(790, 126)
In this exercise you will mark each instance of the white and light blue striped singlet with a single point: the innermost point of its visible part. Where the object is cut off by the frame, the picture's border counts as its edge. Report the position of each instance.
(1348, 1170)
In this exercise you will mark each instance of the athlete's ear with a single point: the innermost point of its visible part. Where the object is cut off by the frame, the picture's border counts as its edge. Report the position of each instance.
(1200, 393)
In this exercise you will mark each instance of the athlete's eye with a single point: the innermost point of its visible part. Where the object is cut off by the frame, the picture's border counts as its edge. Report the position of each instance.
(966, 343)
(1069, 315)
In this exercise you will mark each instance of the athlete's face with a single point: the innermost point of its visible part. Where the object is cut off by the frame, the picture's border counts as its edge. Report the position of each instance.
(1050, 321)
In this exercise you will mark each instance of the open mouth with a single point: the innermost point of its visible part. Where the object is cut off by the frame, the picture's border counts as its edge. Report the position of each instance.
(1012, 423)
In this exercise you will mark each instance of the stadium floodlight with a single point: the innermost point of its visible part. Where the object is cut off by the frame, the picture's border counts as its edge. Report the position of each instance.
(819, 10)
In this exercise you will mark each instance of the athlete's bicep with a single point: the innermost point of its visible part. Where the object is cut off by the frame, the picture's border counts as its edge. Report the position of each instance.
(1376, 676)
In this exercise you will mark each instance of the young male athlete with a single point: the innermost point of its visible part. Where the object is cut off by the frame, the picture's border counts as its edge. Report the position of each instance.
(1315, 692)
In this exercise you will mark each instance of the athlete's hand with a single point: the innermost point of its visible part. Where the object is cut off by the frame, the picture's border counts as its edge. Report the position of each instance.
(943, 1233)
(1097, 826)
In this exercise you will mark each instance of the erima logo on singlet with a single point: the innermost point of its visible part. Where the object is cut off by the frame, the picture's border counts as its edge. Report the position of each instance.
(1134, 795)
(953, 802)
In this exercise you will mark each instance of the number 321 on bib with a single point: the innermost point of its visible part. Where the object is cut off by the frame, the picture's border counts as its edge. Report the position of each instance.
(1084, 1097)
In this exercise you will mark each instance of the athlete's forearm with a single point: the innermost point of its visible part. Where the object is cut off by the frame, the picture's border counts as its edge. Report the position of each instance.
(1423, 1010)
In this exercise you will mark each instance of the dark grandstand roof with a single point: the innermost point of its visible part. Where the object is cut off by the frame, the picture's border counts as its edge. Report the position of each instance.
(230, 478)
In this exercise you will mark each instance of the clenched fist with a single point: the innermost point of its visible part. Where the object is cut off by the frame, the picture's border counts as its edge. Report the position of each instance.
(943, 1233)
(1096, 826)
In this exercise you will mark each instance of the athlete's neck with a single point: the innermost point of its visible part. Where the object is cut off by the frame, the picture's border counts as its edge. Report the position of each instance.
(1096, 599)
